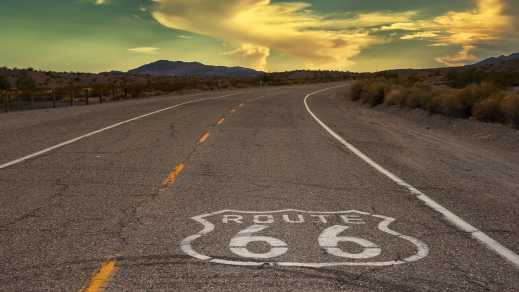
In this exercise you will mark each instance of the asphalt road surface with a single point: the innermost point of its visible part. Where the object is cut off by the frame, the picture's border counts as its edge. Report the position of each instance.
(271, 189)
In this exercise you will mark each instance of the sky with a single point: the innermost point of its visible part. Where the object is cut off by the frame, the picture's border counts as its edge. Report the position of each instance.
(268, 35)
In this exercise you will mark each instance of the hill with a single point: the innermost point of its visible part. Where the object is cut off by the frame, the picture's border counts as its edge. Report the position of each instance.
(497, 60)
(182, 69)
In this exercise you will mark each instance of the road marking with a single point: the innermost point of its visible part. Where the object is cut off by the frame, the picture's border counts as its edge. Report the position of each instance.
(454, 219)
(172, 177)
(101, 277)
(60, 145)
(203, 138)
(220, 121)
(369, 249)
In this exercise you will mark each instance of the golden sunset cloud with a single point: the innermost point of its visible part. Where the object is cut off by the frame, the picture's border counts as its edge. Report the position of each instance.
(467, 29)
(255, 27)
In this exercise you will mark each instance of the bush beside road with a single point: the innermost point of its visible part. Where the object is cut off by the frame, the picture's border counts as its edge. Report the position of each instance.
(484, 101)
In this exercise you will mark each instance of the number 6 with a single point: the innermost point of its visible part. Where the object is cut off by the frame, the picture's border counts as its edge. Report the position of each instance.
(238, 244)
(329, 240)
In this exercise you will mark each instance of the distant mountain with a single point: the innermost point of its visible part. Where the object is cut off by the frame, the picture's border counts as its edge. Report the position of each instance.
(182, 69)
(497, 60)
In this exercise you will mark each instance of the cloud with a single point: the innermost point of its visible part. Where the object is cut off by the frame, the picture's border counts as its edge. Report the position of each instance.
(255, 27)
(484, 24)
(144, 50)
(251, 55)
(420, 35)
(461, 58)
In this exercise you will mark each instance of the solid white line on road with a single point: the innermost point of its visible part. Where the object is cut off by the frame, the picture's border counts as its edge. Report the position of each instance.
(51, 148)
(454, 219)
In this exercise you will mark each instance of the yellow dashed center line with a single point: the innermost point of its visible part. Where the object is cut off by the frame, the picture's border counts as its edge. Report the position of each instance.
(203, 138)
(109, 267)
(101, 276)
(173, 176)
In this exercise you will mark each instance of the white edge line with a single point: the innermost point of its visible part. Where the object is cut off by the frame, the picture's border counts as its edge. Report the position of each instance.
(457, 221)
(51, 148)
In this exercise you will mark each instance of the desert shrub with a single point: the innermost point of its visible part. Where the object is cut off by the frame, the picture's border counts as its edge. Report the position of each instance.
(488, 110)
(510, 108)
(487, 89)
(4, 84)
(356, 90)
(396, 96)
(452, 105)
(434, 104)
(464, 77)
(374, 93)
(418, 96)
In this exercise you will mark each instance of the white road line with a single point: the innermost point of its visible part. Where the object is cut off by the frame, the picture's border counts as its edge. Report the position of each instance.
(454, 219)
(51, 148)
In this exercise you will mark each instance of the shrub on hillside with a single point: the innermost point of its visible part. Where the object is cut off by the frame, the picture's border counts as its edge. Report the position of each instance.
(418, 96)
(456, 105)
(489, 110)
(396, 96)
(356, 90)
(374, 92)
(510, 108)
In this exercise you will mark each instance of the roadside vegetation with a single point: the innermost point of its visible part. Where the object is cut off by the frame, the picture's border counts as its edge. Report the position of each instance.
(22, 89)
(484, 99)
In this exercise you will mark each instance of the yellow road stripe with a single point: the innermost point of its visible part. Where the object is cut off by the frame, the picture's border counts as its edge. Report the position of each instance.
(101, 276)
(173, 176)
(203, 138)
(220, 121)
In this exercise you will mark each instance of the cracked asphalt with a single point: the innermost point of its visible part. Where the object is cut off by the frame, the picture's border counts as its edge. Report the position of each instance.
(266, 201)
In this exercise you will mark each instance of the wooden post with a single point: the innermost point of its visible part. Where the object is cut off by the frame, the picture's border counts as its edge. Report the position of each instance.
(53, 98)
(6, 101)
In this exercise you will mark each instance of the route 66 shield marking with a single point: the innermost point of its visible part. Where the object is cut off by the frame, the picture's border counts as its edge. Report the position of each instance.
(302, 239)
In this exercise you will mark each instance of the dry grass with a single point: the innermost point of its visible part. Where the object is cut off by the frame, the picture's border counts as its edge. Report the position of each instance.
(485, 101)
(509, 105)
(488, 110)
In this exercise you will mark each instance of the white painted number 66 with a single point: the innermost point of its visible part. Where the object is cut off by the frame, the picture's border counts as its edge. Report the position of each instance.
(329, 240)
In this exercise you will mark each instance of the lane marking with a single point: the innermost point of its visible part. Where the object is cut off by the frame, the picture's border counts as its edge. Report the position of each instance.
(449, 216)
(203, 138)
(220, 121)
(68, 142)
(172, 177)
(101, 276)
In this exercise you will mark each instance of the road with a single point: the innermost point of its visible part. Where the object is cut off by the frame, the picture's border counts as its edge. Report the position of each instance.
(271, 189)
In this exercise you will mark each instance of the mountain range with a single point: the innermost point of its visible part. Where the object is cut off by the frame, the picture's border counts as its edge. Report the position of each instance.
(182, 69)
(497, 60)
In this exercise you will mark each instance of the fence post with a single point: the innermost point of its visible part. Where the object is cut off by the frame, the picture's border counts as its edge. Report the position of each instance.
(6, 101)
